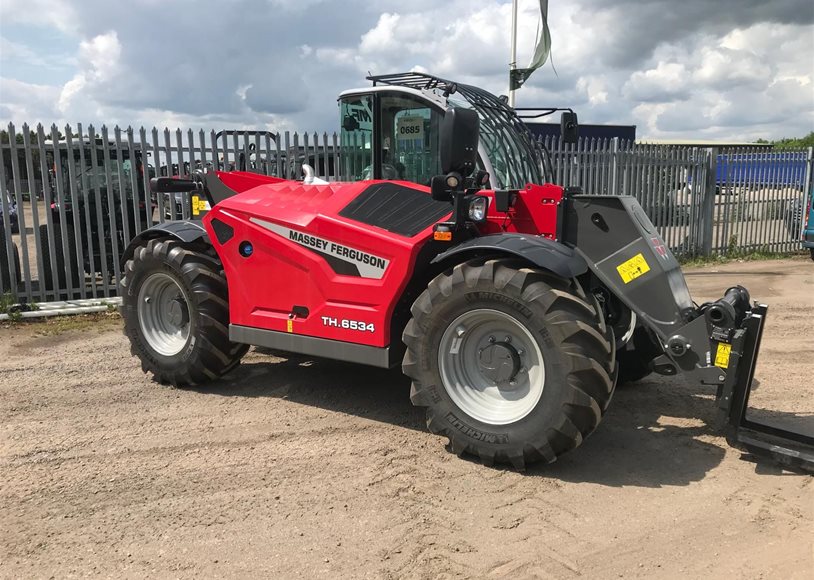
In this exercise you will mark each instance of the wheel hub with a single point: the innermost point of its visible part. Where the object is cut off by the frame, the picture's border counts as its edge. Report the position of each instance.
(491, 366)
(163, 314)
(499, 362)
(177, 312)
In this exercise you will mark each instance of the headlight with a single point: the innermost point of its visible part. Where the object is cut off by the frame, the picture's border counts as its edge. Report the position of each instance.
(477, 208)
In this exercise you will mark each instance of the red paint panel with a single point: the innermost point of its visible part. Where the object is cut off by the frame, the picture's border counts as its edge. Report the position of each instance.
(281, 274)
(284, 272)
(534, 212)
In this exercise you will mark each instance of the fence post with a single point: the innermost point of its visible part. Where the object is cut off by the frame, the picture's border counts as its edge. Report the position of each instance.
(708, 203)
(808, 183)
(614, 189)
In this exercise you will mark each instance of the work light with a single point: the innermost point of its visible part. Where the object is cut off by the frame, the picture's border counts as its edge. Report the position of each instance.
(477, 208)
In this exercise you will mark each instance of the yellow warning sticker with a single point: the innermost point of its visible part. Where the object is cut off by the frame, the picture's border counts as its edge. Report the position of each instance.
(198, 205)
(633, 268)
(289, 325)
(722, 355)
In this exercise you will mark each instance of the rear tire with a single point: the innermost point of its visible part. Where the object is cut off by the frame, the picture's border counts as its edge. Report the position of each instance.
(542, 314)
(175, 306)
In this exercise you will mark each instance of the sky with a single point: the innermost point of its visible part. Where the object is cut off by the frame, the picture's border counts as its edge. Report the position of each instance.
(689, 69)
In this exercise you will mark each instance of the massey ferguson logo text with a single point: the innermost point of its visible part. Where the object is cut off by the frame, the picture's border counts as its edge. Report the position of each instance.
(336, 249)
(367, 265)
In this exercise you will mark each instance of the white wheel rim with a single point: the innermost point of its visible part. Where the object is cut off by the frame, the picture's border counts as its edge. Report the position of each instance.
(491, 366)
(163, 314)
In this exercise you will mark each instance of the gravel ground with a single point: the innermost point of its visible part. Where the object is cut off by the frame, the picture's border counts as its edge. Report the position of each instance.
(292, 469)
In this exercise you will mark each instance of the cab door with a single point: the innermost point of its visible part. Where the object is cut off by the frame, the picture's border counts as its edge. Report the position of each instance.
(409, 134)
(389, 135)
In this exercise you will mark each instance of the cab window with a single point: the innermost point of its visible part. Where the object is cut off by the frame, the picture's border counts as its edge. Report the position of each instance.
(409, 139)
(356, 138)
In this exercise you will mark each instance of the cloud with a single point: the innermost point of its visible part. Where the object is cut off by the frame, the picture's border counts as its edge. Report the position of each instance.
(14, 51)
(629, 31)
(725, 70)
(27, 102)
(666, 82)
(58, 14)
(99, 69)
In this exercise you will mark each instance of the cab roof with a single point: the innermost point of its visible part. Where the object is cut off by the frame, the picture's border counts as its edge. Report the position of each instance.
(516, 156)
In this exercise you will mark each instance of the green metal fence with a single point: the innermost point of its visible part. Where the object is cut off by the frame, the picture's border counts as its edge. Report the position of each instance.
(72, 198)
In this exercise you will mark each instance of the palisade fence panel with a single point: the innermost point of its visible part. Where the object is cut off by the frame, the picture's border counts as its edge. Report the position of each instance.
(760, 199)
(702, 200)
(664, 179)
(72, 198)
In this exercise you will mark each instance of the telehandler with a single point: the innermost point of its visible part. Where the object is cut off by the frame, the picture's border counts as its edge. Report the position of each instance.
(504, 298)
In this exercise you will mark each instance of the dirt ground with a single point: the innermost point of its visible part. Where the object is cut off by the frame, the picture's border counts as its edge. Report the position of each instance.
(291, 469)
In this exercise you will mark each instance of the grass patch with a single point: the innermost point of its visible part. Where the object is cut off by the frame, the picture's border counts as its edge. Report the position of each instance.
(690, 262)
(10, 306)
(7, 303)
(56, 325)
(735, 254)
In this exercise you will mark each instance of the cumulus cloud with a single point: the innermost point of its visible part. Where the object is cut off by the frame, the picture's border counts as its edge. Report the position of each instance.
(58, 14)
(666, 82)
(732, 69)
(31, 103)
(99, 68)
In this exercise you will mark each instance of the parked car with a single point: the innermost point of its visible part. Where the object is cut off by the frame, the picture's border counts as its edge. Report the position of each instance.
(104, 180)
(800, 213)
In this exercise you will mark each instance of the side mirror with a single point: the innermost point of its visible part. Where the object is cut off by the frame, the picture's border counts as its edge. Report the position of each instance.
(458, 146)
(569, 127)
(349, 123)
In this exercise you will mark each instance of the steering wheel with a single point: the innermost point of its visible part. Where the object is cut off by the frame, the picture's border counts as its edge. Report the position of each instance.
(389, 172)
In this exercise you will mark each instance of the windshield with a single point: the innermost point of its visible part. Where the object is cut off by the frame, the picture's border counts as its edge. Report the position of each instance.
(90, 176)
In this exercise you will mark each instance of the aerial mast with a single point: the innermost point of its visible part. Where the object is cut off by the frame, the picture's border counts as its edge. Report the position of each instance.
(513, 58)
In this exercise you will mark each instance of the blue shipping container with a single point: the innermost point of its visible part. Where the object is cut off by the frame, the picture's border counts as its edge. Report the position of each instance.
(757, 169)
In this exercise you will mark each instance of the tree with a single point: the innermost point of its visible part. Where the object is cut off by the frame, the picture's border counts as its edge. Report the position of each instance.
(796, 143)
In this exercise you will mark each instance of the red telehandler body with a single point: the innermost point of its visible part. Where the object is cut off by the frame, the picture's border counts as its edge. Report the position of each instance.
(506, 303)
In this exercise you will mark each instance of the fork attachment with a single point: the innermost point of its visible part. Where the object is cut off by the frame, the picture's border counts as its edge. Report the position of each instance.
(793, 450)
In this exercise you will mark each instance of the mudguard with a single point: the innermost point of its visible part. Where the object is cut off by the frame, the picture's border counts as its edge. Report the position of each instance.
(540, 251)
(182, 230)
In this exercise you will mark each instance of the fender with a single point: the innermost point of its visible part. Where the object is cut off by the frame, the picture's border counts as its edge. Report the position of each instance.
(540, 251)
(182, 230)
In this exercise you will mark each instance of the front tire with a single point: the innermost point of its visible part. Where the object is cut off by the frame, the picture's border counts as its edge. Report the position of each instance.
(513, 364)
(176, 313)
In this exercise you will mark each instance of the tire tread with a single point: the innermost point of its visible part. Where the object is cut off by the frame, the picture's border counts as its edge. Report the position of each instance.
(215, 354)
(586, 342)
